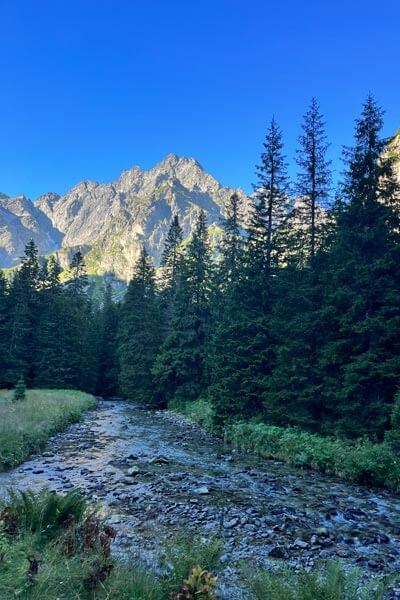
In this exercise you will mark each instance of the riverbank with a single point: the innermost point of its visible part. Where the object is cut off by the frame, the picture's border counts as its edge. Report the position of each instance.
(55, 547)
(26, 425)
(361, 462)
(158, 478)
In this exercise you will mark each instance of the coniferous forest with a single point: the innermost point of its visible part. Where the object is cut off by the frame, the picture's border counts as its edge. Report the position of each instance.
(293, 320)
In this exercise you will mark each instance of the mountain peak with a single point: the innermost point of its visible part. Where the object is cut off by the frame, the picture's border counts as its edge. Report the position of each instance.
(172, 160)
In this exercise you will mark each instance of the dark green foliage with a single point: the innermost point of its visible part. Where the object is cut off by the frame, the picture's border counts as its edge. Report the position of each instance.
(42, 512)
(107, 384)
(331, 581)
(23, 316)
(139, 333)
(392, 437)
(313, 179)
(272, 197)
(49, 332)
(19, 390)
(180, 369)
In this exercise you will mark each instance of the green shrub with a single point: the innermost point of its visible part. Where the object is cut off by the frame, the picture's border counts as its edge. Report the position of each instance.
(20, 390)
(43, 513)
(188, 552)
(330, 582)
(363, 462)
(392, 437)
(199, 411)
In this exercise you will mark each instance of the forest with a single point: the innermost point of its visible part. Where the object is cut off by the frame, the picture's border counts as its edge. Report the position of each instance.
(293, 320)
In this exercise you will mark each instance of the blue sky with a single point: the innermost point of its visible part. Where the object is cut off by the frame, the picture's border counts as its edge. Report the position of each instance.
(91, 87)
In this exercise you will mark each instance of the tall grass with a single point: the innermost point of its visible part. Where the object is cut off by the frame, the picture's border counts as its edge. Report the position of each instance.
(363, 462)
(329, 582)
(25, 426)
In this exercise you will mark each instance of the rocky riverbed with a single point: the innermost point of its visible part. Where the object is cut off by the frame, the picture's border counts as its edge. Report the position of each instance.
(155, 476)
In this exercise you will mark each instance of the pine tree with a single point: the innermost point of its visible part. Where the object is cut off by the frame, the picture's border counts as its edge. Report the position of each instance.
(272, 194)
(139, 333)
(314, 178)
(24, 314)
(108, 363)
(361, 357)
(172, 257)
(180, 369)
(171, 262)
(4, 330)
(232, 242)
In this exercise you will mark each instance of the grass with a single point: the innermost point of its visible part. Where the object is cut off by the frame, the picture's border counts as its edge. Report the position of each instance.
(55, 548)
(363, 462)
(199, 411)
(329, 582)
(25, 426)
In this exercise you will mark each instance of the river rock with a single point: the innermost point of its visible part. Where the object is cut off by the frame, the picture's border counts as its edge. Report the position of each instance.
(203, 490)
(278, 552)
(133, 471)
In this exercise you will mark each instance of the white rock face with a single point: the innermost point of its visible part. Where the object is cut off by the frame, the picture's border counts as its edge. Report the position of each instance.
(21, 221)
(109, 222)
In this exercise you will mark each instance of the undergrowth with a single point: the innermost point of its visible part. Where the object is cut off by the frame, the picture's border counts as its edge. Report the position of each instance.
(363, 462)
(26, 425)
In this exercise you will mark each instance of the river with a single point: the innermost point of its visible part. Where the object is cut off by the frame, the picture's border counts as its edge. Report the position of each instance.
(155, 475)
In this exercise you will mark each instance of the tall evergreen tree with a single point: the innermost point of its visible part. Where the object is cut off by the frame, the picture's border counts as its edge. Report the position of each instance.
(4, 330)
(108, 362)
(361, 357)
(24, 317)
(171, 263)
(51, 361)
(172, 257)
(314, 178)
(180, 369)
(272, 194)
(139, 333)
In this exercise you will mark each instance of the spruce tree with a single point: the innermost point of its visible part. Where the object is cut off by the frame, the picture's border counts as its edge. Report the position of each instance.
(23, 317)
(171, 262)
(108, 362)
(139, 333)
(180, 370)
(49, 342)
(172, 257)
(272, 194)
(4, 330)
(361, 357)
(314, 178)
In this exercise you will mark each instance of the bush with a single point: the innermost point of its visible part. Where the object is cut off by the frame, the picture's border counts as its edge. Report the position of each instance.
(363, 462)
(199, 411)
(184, 554)
(392, 437)
(330, 582)
(20, 390)
(42, 513)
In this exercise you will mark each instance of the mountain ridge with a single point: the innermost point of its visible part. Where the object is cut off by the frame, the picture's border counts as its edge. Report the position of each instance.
(109, 222)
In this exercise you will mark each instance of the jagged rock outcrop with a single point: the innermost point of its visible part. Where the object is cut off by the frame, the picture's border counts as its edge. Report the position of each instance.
(110, 221)
(21, 221)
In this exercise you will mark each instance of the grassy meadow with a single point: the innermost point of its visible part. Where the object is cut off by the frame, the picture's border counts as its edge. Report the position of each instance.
(26, 425)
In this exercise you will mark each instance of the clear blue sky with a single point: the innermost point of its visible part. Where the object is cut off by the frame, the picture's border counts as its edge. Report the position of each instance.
(91, 87)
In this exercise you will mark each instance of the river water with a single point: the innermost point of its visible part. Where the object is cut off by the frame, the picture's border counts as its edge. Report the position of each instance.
(155, 476)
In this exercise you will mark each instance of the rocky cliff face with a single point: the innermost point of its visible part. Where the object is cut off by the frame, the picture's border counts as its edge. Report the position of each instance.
(109, 222)
(21, 221)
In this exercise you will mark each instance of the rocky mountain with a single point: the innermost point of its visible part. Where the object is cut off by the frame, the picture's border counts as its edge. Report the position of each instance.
(109, 222)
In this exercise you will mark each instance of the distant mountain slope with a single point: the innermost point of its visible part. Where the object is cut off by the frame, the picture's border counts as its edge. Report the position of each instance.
(21, 221)
(110, 221)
